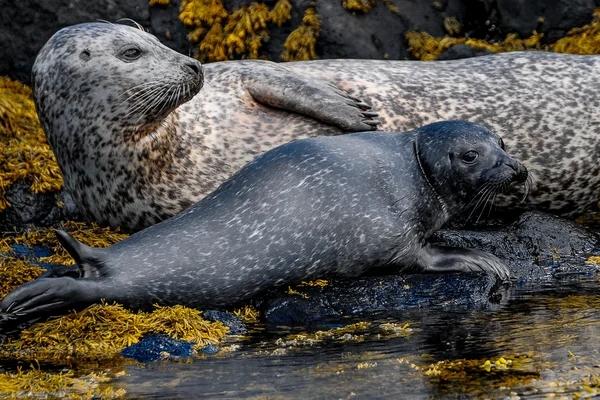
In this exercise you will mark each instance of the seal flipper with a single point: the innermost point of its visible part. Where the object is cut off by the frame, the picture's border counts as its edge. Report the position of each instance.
(87, 258)
(46, 297)
(457, 259)
(273, 85)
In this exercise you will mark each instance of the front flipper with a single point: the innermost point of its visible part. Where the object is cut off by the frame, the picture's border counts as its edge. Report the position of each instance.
(457, 259)
(276, 86)
(46, 297)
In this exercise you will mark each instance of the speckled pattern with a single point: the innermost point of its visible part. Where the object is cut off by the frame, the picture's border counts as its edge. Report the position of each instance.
(133, 173)
(544, 106)
(108, 96)
(314, 208)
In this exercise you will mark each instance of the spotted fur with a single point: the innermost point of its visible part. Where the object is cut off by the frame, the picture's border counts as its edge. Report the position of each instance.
(132, 172)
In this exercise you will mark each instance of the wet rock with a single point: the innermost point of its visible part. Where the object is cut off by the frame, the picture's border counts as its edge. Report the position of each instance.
(155, 347)
(537, 246)
(341, 297)
(236, 327)
(28, 208)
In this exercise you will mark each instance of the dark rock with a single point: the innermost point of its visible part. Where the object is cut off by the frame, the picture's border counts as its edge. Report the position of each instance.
(520, 16)
(155, 347)
(562, 15)
(209, 349)
(460, 51)
(318, 305)
(28, 208)
(236, 327)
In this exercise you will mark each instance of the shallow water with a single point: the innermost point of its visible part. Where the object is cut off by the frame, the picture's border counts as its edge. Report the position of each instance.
(548, 335)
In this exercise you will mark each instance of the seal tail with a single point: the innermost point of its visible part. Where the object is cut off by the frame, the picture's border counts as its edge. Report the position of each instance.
(87, 258)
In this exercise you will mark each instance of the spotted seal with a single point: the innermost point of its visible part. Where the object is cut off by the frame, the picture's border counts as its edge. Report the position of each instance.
(314, 208)
(121, 174)
(133, 142)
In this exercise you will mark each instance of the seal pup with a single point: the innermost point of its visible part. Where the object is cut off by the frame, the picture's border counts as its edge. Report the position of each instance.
(314, 208)
(136, 146)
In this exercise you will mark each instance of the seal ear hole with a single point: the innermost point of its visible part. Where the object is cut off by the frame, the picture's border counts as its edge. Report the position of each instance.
(85, 55)
(470, 157)
(501, 143)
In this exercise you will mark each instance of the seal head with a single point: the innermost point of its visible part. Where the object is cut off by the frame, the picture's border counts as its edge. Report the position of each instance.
(462, 164)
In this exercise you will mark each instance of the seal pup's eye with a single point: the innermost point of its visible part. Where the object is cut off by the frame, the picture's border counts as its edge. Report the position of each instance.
(130, 54)
(470, 157)
(501, 143)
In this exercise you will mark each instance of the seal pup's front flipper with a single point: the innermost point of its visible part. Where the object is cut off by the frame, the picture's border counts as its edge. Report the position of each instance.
(276, 86)
(457, 259)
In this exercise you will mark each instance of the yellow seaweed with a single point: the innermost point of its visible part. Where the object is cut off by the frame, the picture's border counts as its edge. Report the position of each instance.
(301, 42)
(25, 156)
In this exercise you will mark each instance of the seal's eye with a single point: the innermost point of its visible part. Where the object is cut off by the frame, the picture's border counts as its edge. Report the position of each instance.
(501, 143)
(131, 54)
(470, 157)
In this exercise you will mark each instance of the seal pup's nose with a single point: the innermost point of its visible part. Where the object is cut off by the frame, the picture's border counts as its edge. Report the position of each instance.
(519, 168)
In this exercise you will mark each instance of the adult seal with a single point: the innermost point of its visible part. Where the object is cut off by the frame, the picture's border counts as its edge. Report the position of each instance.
(133, 143)
(314, 208)
(134, 149)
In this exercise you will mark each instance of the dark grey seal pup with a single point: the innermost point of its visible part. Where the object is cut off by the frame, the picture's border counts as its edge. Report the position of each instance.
(314, 208)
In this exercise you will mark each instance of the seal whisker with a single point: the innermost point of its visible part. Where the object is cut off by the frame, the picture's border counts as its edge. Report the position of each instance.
(141, 101)
(152, 104)
(492, 192)
(482, 194)
(142, 92)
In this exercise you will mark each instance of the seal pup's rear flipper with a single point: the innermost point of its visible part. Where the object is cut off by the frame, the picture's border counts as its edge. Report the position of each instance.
(87, 258)
(46, 297)
(276, 86)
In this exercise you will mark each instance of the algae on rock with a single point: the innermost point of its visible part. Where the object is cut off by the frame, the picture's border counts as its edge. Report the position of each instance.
(25, 156)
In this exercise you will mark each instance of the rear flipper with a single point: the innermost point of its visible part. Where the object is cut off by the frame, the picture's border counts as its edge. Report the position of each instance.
(457, 259)
(46, 297)
(276, 86)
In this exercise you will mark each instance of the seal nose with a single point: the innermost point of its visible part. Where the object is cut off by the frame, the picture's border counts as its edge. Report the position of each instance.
(195, 68)
(520, 169)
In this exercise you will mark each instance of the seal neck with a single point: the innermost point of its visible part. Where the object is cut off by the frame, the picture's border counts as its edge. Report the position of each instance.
(443, 205)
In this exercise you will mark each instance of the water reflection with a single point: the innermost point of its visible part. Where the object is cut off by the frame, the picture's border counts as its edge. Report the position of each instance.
(547, 338)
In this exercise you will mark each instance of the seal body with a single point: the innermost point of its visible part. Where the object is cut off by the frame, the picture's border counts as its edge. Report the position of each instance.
(314, 208)
(131, 159)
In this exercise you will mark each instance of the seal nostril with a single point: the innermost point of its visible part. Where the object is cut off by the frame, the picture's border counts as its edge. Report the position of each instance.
(195, 67)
